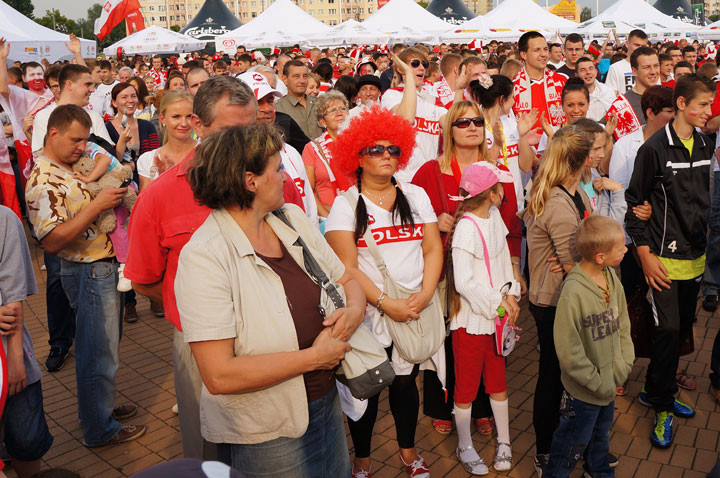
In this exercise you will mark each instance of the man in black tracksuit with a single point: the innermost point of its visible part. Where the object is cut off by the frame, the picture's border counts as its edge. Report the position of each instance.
(672, 173)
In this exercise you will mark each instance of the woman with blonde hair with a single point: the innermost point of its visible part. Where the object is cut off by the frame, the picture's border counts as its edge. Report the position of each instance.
(465, 144)
(555, 209)
(174, 114)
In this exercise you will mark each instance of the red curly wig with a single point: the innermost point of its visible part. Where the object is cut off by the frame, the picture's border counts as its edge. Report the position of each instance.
(366, 129)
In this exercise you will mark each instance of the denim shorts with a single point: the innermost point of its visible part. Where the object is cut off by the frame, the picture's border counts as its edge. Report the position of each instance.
(27, 437)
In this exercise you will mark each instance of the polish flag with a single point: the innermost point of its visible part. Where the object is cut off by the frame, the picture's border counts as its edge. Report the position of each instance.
(475, 45)
(113, 12)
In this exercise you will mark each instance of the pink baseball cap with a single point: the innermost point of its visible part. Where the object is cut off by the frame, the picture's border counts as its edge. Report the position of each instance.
(481, 176)
(259, 84)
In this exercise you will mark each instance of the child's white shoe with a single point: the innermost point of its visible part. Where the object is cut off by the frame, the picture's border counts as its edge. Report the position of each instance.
(124, 284)
(471, 461)
(503, 457)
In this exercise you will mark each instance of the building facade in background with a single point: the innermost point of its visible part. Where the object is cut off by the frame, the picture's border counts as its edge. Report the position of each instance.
(167, 13)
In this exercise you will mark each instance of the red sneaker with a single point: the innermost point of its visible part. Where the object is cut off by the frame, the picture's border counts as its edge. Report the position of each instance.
(416, 469)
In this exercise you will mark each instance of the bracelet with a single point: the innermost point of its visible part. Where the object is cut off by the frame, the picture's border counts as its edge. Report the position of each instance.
(379, 303)
(516, 263)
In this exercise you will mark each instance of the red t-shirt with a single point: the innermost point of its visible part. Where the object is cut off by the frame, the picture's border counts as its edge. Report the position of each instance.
(715, 109)
(163, 219)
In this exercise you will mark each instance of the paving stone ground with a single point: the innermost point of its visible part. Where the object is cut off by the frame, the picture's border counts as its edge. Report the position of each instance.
(145, 379)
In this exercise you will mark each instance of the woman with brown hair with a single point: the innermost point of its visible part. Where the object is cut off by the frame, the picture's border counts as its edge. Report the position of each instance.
(254, 316)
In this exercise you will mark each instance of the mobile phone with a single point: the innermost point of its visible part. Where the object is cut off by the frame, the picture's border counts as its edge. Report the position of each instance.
(126, 183)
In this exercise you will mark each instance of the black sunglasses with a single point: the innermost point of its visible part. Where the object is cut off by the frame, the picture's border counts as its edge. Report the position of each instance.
(378, 150)
(415, 63)
(463, 123)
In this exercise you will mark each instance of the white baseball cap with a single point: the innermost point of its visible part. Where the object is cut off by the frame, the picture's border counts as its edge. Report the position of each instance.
(259, 84)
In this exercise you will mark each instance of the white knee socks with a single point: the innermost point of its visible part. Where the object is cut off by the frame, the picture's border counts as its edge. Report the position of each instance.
(502, 421)
(462, 422)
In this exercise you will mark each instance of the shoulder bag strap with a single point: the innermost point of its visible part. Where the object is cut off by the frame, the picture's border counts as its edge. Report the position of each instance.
(326, 162)
(312, 266)
(372, 246)
(486, 256)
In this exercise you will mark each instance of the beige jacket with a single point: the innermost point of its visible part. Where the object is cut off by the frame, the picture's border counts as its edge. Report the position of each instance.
(552, 235)
(225, 291)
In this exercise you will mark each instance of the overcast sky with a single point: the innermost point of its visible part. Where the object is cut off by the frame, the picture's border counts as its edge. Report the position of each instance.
(78, 8)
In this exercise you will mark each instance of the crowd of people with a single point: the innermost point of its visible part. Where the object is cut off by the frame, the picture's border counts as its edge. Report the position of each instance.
(320, 225)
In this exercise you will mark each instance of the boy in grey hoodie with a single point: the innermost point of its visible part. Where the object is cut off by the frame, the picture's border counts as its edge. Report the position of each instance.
(592, 339)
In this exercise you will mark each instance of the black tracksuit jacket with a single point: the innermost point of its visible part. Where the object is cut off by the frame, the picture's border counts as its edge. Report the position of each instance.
(678, 189)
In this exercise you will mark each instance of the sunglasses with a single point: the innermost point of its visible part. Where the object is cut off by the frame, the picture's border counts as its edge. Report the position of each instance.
(463, 123)
(378, 150)
(415, 63)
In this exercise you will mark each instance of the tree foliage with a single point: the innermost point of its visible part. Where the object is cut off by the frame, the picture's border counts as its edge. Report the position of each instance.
(23, 6)
(585, 14)
(714, 18)
(175, 28)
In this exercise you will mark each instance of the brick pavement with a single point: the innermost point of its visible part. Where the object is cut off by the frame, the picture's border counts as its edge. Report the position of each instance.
(145, 378)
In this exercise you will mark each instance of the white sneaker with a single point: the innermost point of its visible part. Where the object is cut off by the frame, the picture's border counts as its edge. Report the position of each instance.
(124, 285)
(503, 459)
(472, 462)
(175, 409)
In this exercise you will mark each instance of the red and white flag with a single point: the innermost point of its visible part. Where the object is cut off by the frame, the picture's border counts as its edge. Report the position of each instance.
(627, 120)
(475, 45)
(113, 12)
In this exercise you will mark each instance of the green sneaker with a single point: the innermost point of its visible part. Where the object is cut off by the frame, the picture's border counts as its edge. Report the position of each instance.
(662, 434)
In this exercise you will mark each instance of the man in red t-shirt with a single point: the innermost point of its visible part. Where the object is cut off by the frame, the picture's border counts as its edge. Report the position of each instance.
(162, 222)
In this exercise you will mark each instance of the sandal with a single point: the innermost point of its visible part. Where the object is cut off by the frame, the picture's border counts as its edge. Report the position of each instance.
(443, 427)
(503, 461)
(484, 426)
(475, 467)
(685, 381)
(715, 393)
(621, 391)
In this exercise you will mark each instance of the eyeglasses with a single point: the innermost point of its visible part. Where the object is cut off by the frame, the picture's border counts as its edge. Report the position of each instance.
(52, 87)
(341, 109)
(463, 123)
(378, 150)
(415, 63)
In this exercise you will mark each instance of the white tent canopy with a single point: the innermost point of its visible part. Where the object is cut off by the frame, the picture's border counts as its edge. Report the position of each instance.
(282, 16)
(477, 28)
(525, 15)
(269, 39)
(644, 16)
(397, 14)
(154, 39)
(350, 32)
(30, 41)
(710, 32)
(599, 29)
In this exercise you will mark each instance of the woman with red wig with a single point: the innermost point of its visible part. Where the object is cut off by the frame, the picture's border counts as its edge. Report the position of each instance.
(372, 148)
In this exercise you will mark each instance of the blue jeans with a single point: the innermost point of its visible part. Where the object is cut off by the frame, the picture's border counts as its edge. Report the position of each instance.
(711, 278)
(27, 437)
(584, 430)
(91, 289)
(321, 452)
(60, 316)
